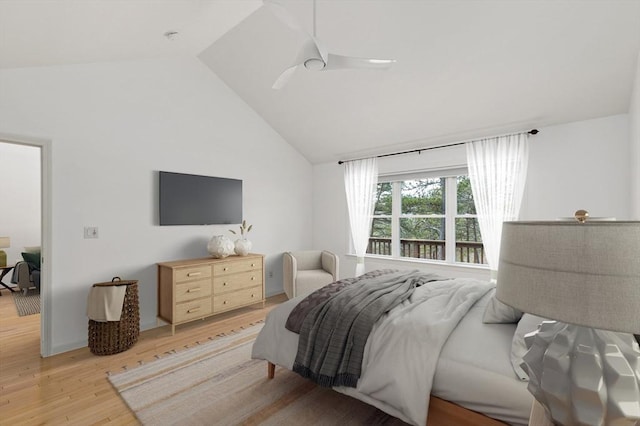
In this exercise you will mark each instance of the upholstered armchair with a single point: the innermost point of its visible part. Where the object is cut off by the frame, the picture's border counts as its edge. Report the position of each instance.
(307, 271)
(27, 276)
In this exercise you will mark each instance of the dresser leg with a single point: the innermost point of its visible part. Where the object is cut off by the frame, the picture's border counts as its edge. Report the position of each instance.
(173, 330)
(271, 370)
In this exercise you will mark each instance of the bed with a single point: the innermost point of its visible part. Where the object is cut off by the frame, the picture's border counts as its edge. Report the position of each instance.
(467, 363)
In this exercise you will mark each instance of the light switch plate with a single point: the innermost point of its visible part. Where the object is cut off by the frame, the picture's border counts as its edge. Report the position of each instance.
(90, 232)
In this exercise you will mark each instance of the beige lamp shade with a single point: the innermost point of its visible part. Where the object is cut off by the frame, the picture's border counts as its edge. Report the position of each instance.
(5, 242)
(580, 273)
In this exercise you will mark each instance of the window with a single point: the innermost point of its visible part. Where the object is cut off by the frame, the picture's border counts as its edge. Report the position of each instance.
(417, 218)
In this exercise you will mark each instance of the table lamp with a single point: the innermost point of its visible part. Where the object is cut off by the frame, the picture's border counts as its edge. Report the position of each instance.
(583, 368)
(5, 242)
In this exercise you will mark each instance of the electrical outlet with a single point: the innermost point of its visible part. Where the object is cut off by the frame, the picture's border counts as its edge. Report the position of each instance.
(270, 274)
(90, 232)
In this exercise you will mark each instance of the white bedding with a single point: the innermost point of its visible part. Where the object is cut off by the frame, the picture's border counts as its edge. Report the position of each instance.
(475, 370)
(396, 379)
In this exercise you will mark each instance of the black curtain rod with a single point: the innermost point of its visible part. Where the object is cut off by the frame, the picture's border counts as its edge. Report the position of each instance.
(531, 132)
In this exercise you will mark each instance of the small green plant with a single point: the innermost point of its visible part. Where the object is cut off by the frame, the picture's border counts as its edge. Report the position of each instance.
(244, 229)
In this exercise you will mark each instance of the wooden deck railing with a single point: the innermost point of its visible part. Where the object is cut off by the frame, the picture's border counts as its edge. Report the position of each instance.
(466, 251)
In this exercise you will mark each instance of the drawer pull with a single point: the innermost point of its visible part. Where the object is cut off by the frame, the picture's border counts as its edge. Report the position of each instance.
(253, 278)
(224, 284)
(253, 295)
(253, 264)
(194, 274)
(224, 303)
(193, 290)
(225, 269)
(190, 311)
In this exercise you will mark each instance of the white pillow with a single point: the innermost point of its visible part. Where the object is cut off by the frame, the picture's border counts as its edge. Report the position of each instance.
(527, 324)
(497, 312)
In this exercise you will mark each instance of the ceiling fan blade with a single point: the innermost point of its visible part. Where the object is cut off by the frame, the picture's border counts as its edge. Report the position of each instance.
(283, 15)
(337, 62)
(284, 78)
(311, 50)
(320, 49)
(308, 56)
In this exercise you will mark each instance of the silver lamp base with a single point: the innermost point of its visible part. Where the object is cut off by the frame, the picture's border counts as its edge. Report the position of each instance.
(584, 376)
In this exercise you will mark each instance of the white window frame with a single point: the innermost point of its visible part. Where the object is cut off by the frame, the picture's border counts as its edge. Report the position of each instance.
(451, 214)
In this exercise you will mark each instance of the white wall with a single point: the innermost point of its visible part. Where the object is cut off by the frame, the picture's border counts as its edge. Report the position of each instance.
(580, 165)
(20, 195)
(112, 127)
(634, 140)
(571, 166)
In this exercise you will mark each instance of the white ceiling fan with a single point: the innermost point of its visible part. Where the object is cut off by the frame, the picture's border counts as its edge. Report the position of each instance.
(312, 55)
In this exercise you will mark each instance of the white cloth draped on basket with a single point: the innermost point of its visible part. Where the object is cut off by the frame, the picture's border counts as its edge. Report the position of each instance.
(498, 172)
(105, 303)
(360, 181)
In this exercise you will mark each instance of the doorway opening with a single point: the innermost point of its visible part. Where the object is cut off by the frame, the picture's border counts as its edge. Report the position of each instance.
(25, 219)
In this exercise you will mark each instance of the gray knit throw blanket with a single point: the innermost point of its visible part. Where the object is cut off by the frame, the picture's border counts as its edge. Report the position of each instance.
(334, 333)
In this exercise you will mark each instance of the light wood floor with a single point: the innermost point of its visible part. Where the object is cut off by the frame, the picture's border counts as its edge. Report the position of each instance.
(72, 388)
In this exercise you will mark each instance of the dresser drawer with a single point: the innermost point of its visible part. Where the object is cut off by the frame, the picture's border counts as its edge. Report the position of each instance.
(228, 283)
(193, 290)
(244, 265)
(231, 300)
(192, 309)
(192, 273)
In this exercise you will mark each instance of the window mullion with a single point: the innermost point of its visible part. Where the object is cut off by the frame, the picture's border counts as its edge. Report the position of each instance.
(451, 210)
(396, 208)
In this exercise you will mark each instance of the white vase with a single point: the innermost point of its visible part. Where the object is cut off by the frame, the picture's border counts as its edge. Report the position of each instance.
(243, 246)
(220, 246)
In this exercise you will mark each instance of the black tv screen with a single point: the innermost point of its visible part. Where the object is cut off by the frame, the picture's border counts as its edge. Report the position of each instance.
(199, 200)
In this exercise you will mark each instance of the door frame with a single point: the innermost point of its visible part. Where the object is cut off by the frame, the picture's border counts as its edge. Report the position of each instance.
(45, 231)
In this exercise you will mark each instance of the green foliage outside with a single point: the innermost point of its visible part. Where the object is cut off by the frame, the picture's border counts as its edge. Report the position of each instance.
(467, 229)
(426, 197)
(423, 197)
(383, 199)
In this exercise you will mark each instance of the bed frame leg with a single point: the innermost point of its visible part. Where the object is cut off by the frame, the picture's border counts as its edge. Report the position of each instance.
(271, 370)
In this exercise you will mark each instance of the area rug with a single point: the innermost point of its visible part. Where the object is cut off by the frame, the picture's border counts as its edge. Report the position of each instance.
(27, 305)
(217, 383)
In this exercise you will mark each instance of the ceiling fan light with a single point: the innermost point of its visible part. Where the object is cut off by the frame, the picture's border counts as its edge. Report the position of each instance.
(314, 64)
(382, 61)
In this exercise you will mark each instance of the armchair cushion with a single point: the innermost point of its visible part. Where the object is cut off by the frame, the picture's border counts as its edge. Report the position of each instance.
(35, 277)
(309, 281)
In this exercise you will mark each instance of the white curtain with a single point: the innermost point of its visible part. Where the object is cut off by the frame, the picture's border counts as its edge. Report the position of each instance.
(498, 171)
(360, 182)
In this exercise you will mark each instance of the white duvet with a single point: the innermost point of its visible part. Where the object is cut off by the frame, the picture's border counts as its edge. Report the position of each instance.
(402, 351)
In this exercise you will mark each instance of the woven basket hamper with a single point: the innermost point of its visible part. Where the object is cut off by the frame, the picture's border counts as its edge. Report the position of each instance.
(112, 337)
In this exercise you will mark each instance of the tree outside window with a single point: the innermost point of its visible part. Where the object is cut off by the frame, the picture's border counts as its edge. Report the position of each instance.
(415, 219)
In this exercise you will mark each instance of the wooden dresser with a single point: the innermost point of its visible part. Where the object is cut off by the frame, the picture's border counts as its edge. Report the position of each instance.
(197, 288)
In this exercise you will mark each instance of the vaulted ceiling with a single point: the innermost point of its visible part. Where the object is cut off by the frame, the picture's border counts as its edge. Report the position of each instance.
(60, 32)
(465, 68)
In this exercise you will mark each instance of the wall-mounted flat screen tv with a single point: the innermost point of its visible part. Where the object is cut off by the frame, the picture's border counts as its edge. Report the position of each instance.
(199, 200)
